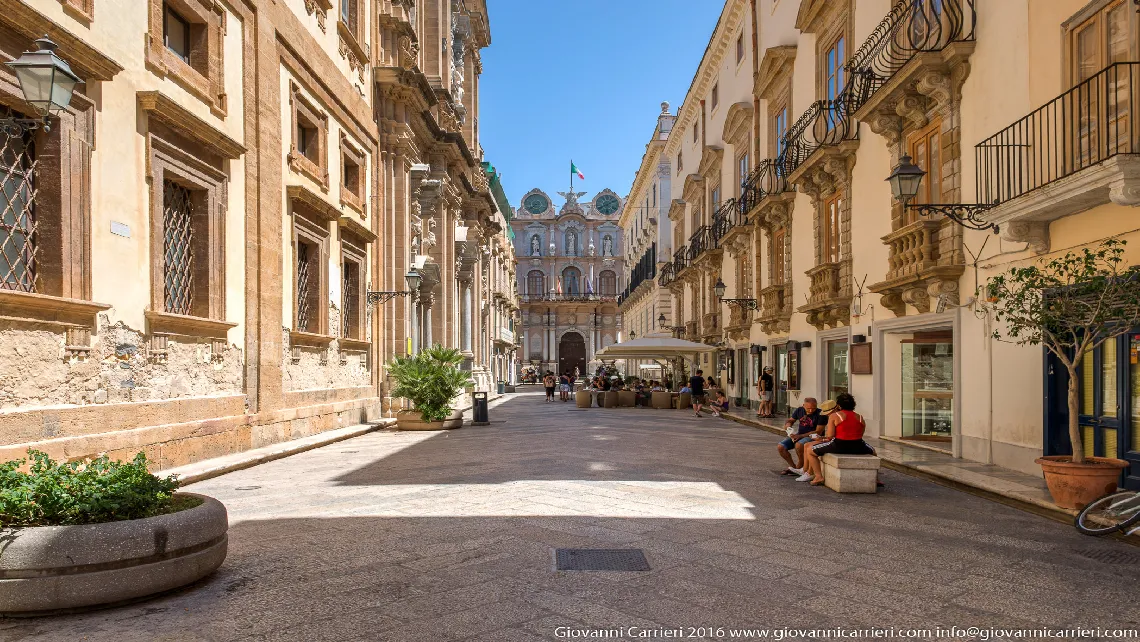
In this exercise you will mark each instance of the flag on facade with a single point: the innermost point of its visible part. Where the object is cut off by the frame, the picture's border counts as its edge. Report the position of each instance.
(574, 170)
(558, 288)
(590, 282)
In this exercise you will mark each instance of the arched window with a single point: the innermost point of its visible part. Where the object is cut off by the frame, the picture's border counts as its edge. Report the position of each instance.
(607, 283)
(535, 282)
(571, 243)
(607, 245)
(570, 278)
(535, 245)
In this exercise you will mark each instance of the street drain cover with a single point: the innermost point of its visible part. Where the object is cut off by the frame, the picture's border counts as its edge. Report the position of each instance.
(599, 559)
(1109, 556)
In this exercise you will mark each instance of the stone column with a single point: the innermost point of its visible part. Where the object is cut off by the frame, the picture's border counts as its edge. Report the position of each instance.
(429, 300)
(465, 289)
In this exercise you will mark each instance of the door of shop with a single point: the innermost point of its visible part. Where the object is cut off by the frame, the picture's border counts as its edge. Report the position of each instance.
(780, 358)
(742, 378)
(1108, 404)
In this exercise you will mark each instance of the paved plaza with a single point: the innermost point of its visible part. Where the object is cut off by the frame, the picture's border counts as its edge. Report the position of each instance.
(451, 536)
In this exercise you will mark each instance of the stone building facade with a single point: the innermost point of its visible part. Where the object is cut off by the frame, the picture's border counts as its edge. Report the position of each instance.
(191, 260)
(570, 270)
(648, 237)
(796, 116)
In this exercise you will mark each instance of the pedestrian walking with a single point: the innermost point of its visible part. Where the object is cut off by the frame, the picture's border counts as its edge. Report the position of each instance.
(548, 382)
(764, 387)
(697, 386)
(564, 386)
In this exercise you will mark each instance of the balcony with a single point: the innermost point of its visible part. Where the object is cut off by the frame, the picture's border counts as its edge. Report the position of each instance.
(703, 247)
(924, 260)
(914, 57)
(730, 226)
(776, 308)
(766, 191)
(827, 125)
(739, 322)
(829, 296)
(710, 327)
(562, 298)
(693, 331)
(680, 261)
(667, 276)
(1074, 153)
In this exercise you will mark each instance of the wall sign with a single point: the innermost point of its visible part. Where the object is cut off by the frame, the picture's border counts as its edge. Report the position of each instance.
(860, 359)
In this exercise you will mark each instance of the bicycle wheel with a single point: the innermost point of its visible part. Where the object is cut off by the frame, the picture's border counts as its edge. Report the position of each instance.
(1110, 513)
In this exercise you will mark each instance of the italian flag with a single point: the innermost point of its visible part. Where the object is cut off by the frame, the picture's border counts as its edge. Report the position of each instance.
(574, 170)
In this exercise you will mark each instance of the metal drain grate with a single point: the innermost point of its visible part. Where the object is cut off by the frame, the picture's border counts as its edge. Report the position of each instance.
(600, 559)
(1109, 555)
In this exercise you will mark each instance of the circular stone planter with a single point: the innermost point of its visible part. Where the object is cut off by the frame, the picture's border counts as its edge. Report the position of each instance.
(412, 420)
(1077, 485)
(46, 569)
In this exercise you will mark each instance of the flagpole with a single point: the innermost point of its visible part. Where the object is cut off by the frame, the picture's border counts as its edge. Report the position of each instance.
(571, 175)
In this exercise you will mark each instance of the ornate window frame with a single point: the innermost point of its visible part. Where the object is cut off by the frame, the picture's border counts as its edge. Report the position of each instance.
(353, 249)
(204, 74)
(305, 110)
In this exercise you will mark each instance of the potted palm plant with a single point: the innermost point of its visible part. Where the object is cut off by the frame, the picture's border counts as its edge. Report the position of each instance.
(1071, 305)
(431, 380)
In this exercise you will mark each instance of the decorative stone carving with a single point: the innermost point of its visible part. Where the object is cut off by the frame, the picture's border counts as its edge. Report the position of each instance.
(319, 7)
(1035, 233)
(409, 52)
(349, 53)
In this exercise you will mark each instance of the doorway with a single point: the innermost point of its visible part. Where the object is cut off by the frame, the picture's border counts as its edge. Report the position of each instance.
(572, 353)
(780, 360)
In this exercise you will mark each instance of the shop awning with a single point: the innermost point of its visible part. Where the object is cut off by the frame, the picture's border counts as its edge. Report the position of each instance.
(654, 347)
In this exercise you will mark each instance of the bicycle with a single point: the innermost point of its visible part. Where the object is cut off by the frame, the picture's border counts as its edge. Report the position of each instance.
(1114, 512)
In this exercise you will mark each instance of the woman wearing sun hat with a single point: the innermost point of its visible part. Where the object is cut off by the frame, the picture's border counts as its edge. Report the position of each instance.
(844, 436)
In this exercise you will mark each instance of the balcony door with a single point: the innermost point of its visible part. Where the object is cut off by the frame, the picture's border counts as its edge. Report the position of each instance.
(1102, 94)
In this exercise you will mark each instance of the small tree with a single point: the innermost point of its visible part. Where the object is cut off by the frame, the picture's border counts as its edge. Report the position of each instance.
(430, 380)
(1070, 305)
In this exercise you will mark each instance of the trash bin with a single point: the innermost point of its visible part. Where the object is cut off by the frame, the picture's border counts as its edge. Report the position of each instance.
(479, 409)
(502, 385)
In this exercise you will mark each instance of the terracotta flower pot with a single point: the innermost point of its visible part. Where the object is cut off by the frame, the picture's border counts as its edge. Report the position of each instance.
(413, 420)
(1076, 485)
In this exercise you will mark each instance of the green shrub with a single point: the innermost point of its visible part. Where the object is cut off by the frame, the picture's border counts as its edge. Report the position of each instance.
(430, 380)
(61, 494)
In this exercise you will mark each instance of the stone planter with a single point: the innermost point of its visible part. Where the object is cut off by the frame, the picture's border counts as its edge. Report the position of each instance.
(48, 569)
(412, 420)
(1076, 485)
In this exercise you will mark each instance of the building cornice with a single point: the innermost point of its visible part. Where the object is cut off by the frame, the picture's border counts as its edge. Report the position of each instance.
(722, 38)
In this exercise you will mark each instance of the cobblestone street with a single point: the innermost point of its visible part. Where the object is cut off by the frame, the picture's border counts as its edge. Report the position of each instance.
(447, 536)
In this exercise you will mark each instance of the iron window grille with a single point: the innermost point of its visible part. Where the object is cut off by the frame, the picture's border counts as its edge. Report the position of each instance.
(178, 247)
(350, 291)
(18, 237)
(304, 287)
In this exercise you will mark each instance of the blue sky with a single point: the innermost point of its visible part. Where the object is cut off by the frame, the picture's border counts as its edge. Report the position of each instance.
(583, 80)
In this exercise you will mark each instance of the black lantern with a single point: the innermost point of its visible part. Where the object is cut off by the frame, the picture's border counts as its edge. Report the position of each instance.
(661, 320)
(413, 278)
(719, 288)
(906, 179)
(632, 335)
(46, 81)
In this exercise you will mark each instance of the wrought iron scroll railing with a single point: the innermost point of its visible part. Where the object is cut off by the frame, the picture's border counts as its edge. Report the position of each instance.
(725, 218)
(826, 122)
(667, 275)
(911, 27)
(680, 260)
(700, 242)
(768, 178)
(1095, 120)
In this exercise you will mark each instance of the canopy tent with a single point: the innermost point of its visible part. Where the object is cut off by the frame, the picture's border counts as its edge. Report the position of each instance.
(654, 347)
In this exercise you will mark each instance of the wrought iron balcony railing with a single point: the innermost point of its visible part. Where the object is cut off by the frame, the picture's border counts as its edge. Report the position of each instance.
(1086, 125)
(826, 122)
(726, 217)
(767, 179)
(911, 27)
(553, 297)
(700, 242)
(680, 260)
(666, 276)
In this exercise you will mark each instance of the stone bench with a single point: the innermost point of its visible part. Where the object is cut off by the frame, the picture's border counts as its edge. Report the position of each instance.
(583, 398)
(851, 473)
(627, 398)
(661, 400)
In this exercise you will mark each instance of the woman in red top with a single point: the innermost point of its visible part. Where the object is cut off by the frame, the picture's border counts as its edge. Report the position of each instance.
(844, 436)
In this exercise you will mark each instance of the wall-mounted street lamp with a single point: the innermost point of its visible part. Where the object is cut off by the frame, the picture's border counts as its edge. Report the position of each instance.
(47, 83)
(719, 289)
(632, 335)
(413, 279)
(905, 181)
(672, 328)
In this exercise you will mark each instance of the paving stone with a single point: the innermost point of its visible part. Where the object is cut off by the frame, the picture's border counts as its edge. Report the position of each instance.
(437, 537)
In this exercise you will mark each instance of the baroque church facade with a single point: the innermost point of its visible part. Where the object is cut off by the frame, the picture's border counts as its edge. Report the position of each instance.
(570, 271)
